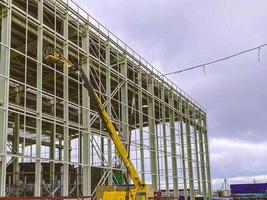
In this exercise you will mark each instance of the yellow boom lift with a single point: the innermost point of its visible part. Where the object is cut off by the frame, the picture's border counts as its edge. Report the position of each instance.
(140, 190)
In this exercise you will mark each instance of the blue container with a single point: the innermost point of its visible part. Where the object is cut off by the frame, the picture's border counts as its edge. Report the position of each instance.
(248, 188)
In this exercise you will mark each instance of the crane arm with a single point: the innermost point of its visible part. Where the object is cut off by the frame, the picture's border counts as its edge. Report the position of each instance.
(55, 56)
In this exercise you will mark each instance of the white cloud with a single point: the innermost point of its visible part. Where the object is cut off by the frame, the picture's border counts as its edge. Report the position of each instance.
(237, 160)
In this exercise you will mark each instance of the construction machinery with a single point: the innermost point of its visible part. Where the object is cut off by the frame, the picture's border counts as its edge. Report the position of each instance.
(139, 190)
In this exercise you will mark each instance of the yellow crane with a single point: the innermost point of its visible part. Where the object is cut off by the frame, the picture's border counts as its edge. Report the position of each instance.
(140, 190)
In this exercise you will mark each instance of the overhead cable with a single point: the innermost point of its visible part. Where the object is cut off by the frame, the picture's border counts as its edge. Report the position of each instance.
(204, 65)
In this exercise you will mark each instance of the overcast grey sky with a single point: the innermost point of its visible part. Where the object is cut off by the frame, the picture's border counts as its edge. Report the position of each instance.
(175, 34)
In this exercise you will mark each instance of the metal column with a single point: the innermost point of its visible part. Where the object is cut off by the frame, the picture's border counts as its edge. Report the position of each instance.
(86, 134)
(37, 187)
(4, 91)
(66, 109)
(152, 134)
(52, 146)
(163, 115)
(124, 102)
(202, 160)
(15, 142)
(189, 156)
(108, 107)
(182, 149)
(207, 156)
(173, 148)
(140, 105)
(197, 152)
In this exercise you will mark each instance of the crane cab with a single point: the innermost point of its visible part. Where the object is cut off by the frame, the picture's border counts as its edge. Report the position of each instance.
(120, 193)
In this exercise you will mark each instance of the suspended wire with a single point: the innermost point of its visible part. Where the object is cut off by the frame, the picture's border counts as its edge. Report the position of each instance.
(204, 65)
(259, 54)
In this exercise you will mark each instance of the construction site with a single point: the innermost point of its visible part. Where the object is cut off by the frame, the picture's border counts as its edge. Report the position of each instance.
(83, 115)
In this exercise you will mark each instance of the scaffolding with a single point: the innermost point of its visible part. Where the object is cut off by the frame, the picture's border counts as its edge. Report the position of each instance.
(52, 142)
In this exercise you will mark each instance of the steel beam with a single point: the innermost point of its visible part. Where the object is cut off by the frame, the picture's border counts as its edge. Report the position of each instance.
(86, 134)
(108, 108)
(182, 138)
(197, 153)
(37, 184)
(124, 106)
(165, 153)
(206, 142)
(15, 142)
(52, 146)
(189, 156)
(140, 108)
(173, 148)
(202, 159)
(124, 102)
(4, 90)
(66, 107)
(152, 135)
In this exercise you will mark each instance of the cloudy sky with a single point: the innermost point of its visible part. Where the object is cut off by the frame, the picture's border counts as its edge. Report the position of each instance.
(173, 35)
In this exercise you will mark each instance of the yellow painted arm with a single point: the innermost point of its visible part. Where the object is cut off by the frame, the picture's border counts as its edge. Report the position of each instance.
(55, 56)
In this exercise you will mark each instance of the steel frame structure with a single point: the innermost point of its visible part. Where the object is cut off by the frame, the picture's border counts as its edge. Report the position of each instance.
(46, 116)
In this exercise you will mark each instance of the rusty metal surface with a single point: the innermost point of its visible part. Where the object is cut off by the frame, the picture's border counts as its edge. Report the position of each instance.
(159, 196)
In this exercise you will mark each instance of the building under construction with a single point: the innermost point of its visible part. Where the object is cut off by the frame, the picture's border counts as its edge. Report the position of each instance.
(52, 141)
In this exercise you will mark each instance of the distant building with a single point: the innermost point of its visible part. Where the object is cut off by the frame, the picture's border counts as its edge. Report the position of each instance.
(249, 191)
